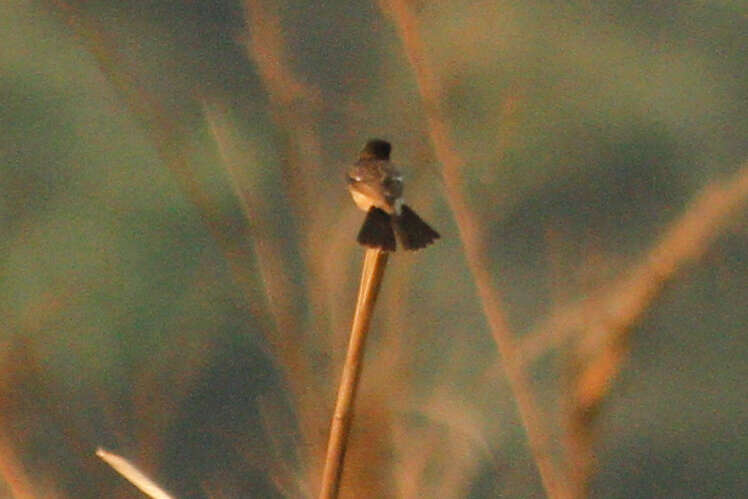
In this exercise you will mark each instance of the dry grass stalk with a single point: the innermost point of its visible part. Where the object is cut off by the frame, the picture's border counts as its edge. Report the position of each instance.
(164, 133)
(281, 293)
(618, 307)
(375, 262)
(608, 320)
(473, 244)
(278, 288)
(132, 474)
(288, 97)
(294, 107)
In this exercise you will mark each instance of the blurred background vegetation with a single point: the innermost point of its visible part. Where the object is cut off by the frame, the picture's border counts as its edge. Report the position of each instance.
(178, 265)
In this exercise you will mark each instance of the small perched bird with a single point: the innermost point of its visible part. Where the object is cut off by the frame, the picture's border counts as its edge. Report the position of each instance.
(377, 188)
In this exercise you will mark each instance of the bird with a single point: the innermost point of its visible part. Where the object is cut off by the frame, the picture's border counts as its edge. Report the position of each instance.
(376, 186)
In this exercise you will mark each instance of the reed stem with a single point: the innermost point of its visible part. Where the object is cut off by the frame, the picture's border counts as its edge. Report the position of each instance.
(371, 278)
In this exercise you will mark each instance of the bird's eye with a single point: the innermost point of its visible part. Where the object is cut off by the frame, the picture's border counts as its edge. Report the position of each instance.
(354, 178)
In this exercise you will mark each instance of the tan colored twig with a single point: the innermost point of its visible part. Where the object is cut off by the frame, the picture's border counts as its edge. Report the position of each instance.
(607, 320)
(293, 106)
(132, 474)
(274, 271)
(289, 97)
(375, 262)
(618, 307)
(473, 244)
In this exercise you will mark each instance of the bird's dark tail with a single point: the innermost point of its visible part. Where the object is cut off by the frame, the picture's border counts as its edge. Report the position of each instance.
(376, 232)
(412, 232)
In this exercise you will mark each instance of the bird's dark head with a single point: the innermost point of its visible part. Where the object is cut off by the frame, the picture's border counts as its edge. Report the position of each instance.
(376, 149)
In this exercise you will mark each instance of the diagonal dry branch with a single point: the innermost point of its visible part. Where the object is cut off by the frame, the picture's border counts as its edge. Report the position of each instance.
(274, 269)
(165, 136)
(282, 293)
(473, 244)
(605, 322)
(618, 307)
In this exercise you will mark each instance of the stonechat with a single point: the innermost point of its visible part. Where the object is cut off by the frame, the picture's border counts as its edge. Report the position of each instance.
(377, 188)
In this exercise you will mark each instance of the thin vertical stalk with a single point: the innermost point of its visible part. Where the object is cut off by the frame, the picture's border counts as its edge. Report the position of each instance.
(476, 254)
(371, 278)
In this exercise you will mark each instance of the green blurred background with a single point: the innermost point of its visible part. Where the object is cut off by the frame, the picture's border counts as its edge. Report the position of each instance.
(136, 314)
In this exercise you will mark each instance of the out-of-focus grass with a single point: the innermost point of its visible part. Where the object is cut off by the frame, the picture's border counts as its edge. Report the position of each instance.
(585, 129)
